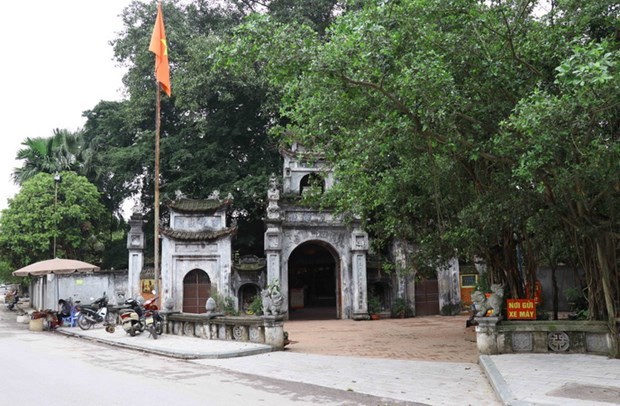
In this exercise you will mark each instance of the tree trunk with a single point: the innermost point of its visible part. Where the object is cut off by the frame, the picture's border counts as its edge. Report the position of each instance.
(554, 289)
(607, 291)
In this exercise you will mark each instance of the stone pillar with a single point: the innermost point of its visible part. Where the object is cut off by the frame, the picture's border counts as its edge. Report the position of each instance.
(359, 291)
(273, 240)
(273, 251)
(274, 331)
(486, 335)
(449, 288)
(135, 246)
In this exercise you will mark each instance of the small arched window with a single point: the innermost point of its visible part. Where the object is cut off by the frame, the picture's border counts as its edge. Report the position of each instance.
(311, 183)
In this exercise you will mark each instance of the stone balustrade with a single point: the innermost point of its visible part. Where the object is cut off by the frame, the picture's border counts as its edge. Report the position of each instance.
(558, 336)
(256, 329)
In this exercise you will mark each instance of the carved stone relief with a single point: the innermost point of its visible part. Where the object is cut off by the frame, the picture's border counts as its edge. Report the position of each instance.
(558, 341)
(522, 342)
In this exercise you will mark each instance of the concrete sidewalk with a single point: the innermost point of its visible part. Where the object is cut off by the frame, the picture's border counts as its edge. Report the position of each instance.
(515, 379)
(168, 345)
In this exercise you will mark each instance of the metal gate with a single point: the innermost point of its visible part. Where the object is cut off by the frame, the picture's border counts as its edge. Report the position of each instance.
(196, 291)
(426, 297)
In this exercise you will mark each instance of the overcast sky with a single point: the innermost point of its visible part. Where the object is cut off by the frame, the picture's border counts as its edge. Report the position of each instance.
(56, 63)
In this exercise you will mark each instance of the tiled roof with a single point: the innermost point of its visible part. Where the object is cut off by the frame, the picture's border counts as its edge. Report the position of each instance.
(250, 263)
(197, 206)
(205, 235)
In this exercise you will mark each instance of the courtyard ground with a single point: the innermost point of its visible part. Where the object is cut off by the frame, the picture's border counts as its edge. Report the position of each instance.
(431, 338)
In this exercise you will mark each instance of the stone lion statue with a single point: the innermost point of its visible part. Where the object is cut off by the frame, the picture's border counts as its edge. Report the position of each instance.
(482, 305)
(272, 302)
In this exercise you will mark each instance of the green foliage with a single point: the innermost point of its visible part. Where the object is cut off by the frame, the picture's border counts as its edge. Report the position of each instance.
(482, 283)
(400, 308)
(486, 127)
(70, 211)
(6, 273)
(256, 307)
(450, 309)
(213, 134)
(578, 302)
(374, 304)
(225, 304)
(58, 153)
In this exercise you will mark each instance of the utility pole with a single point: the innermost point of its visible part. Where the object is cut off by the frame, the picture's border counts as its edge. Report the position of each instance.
(57, 180)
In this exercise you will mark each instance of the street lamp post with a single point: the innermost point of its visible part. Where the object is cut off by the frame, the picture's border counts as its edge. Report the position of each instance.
(57, 180)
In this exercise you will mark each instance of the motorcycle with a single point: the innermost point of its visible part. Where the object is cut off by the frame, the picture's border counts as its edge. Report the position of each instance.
(96, 312)
(153, 321)
(132, 318)
(11, 301)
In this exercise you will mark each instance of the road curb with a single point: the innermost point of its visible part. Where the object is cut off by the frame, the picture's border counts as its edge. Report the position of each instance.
(172, 354)
(498, 383)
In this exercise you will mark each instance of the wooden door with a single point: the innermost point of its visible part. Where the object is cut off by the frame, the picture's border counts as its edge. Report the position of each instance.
(426, 297)
(196, 291)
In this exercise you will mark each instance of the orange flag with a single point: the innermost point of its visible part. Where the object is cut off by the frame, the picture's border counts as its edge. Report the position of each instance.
(160, 48)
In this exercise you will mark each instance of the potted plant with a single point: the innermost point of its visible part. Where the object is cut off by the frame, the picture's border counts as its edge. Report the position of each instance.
(399, 308)
(374, 307)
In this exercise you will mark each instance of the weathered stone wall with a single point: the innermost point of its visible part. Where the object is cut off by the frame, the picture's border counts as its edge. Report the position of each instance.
(556, 336)
(263, 330)
(48, 289)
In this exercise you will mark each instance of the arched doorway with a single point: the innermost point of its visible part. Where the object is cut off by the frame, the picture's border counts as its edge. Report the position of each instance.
(313, 283)
(196, 291)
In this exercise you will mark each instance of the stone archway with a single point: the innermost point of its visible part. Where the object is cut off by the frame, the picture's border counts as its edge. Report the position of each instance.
(196, 291)
(313, 282)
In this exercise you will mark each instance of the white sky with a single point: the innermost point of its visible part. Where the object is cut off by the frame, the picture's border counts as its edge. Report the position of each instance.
(56, 63)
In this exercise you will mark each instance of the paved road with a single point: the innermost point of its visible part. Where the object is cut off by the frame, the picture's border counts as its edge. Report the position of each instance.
(513, 379)
(46, 368)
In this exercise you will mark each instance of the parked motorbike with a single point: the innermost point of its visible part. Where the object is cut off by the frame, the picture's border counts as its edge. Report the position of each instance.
(11, 301)
(96, 312)
(132, 317)
(153, 321)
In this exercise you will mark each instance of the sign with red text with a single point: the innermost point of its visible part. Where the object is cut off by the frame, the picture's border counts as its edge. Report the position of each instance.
(521, 309)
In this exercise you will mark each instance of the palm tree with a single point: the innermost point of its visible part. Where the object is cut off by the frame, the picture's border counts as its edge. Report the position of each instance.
(58, 153)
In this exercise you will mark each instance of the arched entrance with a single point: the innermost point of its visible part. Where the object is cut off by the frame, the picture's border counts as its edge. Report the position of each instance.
(313, 282)
(196, 291)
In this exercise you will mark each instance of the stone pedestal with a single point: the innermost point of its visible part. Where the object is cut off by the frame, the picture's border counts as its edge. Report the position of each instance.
(486, 335)
(274, 331)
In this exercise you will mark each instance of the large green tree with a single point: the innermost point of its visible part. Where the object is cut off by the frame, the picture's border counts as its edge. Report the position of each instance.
(44, 211)
(214, 127)
(458, 125)
(57, 153)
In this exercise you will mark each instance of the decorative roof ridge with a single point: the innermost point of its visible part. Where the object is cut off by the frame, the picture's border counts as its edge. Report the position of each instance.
(204, 235)
(187, 205)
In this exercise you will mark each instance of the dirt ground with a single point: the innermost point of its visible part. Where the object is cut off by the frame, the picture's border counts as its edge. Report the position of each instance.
(430, 338)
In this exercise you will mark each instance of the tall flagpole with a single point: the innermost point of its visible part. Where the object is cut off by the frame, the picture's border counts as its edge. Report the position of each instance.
(156, 220)
(159, 47)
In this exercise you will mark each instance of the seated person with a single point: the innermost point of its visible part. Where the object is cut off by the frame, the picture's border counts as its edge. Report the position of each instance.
(64, 310)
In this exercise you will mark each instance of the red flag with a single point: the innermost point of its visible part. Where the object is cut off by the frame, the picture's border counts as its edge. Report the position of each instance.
(160, 48)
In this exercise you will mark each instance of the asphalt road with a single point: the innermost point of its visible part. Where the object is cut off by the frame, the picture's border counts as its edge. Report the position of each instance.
(43, 368)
